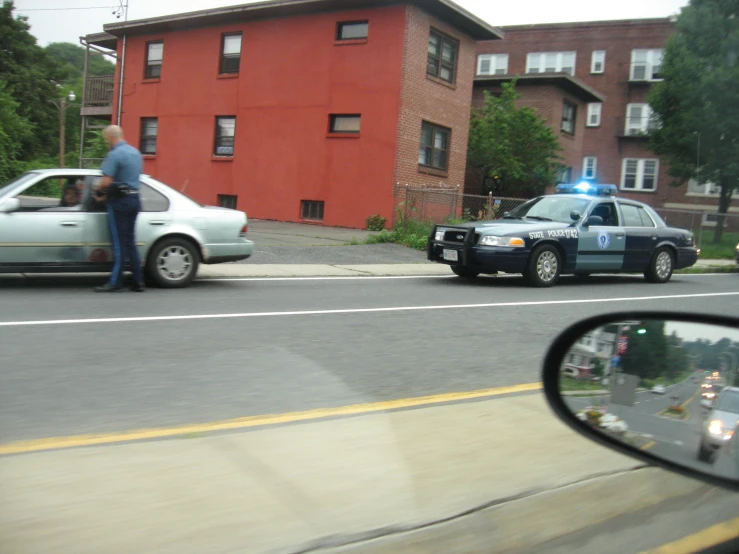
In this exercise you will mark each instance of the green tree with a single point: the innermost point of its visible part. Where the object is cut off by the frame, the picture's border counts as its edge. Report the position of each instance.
(14, 129)
(678, 361)
(32, 78)
(647, 352)
(512, 145)
(697, 103)
(72, 57)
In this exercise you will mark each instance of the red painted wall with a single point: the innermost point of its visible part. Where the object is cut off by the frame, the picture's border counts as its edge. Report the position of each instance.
(292, 76)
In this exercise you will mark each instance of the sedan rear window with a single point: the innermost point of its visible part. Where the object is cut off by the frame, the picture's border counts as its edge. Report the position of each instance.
(729, 402)
(152, 200)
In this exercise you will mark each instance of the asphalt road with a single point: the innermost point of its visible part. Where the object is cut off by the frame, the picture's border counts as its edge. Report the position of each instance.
(69, 375)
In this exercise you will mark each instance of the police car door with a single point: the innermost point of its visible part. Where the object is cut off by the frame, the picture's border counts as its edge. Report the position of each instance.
(601, 247)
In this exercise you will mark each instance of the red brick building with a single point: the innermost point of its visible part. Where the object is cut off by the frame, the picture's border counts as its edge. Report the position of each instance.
(300, 109)
(616, 60)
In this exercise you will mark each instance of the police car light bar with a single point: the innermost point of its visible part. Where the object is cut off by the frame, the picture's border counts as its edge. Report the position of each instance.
(587, 188)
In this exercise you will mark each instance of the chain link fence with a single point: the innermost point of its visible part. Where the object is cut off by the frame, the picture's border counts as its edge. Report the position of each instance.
(703, 224)
(446, 204)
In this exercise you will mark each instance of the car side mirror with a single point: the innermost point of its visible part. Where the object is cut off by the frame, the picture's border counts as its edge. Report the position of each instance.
(632, 352)
(9, 205)
(593, 220)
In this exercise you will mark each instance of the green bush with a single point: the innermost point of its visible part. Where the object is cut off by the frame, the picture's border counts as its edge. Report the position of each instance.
(376, 222)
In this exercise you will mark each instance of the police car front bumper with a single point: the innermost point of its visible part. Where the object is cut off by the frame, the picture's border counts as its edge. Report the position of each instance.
(466, 254)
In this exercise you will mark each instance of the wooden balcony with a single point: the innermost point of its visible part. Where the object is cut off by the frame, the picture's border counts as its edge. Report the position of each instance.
(98, 97)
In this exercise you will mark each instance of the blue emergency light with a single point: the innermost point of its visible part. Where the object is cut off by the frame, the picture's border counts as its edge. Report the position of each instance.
(587, 188)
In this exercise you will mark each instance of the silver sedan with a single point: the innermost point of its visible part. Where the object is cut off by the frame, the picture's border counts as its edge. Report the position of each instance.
(51, 222)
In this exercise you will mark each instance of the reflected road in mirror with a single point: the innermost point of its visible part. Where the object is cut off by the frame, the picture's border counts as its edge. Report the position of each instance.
(666, 387)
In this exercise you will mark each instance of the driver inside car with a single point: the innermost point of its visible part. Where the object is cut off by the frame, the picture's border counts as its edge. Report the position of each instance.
(70, 195)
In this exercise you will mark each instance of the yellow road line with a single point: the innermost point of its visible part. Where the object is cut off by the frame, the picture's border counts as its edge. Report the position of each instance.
(689, 400)
(53, 443)
(649, 445)
(710, 536)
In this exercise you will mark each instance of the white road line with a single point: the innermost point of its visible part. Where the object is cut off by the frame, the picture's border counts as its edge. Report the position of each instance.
(360, 310)
(329, 278)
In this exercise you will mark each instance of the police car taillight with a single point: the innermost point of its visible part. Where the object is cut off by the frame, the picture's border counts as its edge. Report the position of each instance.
(244, 230)
(587, 188)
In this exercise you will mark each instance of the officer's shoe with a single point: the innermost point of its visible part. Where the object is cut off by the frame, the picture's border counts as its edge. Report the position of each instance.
(107, 287)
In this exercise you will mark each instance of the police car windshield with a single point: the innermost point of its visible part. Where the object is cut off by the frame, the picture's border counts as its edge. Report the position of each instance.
(551, 208)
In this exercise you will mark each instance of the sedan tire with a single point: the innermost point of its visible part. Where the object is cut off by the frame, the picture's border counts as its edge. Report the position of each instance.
(661, 266)
(705, 454)
(544, 266)
(173, 263)
(465, 272)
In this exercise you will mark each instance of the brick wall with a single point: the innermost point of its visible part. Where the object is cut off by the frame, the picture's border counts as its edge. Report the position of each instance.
(423, 98)
(617, 39)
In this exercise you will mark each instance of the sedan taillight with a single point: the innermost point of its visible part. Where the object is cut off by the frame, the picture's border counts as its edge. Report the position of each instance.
(244, 230)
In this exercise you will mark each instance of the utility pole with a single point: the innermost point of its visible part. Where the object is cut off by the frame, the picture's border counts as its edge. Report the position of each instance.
(62, 107)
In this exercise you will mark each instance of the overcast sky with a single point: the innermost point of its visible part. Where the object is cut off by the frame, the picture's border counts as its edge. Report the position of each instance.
(695, 331)
(62, 21)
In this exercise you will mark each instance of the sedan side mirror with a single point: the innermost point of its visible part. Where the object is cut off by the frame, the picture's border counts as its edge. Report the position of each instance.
(9, 205)
(620, 410)
(593, 220)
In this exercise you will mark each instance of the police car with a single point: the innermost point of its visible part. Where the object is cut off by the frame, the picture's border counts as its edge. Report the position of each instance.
(582, 229)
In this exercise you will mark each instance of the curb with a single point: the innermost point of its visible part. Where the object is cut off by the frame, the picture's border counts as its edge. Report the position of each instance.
(526, 523)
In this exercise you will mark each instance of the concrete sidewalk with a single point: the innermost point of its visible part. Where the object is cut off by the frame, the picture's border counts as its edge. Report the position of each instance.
(389, 476)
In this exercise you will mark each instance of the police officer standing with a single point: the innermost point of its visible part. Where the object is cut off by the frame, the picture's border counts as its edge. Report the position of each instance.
(120, 184)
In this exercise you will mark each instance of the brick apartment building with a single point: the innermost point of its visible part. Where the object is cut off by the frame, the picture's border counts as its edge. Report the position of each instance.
(298, 109)
(562, 68)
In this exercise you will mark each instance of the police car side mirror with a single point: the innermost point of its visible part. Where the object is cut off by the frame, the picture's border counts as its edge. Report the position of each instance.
(593, 220)
(9, 205)
(611, 377)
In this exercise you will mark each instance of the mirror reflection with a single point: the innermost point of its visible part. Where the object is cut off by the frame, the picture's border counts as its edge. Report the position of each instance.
(667, 387)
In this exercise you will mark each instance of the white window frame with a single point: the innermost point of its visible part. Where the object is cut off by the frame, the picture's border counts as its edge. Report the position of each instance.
(598, 57)
(541, 61)
(493, 59)
(594, 109)
(646, 121)
(589, 173)
(641, 162)
(653, 58)
(707, 189)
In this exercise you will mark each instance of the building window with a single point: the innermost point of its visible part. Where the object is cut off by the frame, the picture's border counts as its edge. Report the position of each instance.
(594, 111)
(311, 210)
(565, 175)
(636, 216)
(230, 53)
(492, 64)
(434, 150)
(639, 174)
(442, 56)
(598, 61)
(228, 201)
(345, 124)
(154, 54)
(589, 165)
(148, 141)
(646, 65)
(703, 189)
(352, 30)
(639, 119)
(569, 114)
(551, 62)
(225, 133)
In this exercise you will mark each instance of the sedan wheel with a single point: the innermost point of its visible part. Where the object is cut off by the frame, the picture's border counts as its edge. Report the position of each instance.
(660, 267)
(544, 267)
(173, 263)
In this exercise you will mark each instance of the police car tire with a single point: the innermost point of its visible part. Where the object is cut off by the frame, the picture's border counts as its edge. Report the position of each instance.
(152, 272)
(531, 274)
(465, 272)
(652, 274)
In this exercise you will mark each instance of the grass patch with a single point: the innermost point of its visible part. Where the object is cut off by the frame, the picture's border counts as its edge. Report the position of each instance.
(568, 384)
(725, 250)
(412, 233)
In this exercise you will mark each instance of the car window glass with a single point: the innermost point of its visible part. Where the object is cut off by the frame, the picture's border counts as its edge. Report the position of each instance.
(729, 402)
(646, 221)
(631, 216)
(53, 194)
(152, 200)
(607, 211)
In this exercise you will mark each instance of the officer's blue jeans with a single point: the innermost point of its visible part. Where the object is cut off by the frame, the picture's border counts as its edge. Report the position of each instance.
(122, 213)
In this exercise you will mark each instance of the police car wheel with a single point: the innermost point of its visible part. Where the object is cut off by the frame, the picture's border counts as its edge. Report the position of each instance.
(173, 263)
(465, 272)
(544, 267)
(660, 267)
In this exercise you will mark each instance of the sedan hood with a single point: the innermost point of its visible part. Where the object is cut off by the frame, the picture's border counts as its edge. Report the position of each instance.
(502, 227)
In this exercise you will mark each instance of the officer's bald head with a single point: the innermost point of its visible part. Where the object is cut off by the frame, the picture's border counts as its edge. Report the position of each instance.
(113, 134)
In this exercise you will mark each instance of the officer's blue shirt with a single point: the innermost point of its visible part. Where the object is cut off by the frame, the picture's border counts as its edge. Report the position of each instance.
(123, 163)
